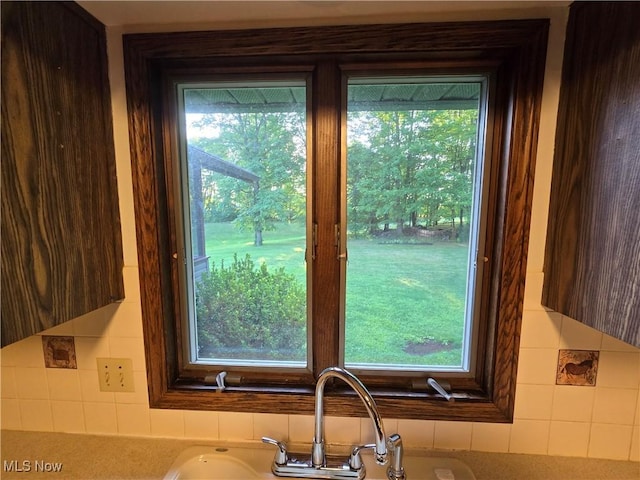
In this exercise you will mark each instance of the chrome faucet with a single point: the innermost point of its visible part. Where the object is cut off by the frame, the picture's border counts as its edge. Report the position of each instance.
(322, 466)
(351, 380)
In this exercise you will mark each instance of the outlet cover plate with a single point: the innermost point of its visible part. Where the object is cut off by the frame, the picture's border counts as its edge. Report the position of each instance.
(115, 374)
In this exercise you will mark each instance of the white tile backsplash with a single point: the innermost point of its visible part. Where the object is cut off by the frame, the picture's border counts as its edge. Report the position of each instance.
(537, 366)
(271, 425)
(534, 402)
(452, 435)
(578, 336)
(569, 439)
(573, 404)
(342, 430)
(417, 433)
(540, 329)
(8, 387)
(610, 441)
(64, 329)
(546, 415)
(133, 419)
(25, 353)
(68, 416)
(32, 383)
(125, 320)
(530, 436)
(90, 348)
(635, 445)
(64, 384)
(301, 428)
(201, 424)
(131, 284)
(615, 405)
(235, 425)
(491, 437)
(167, 423)
(93, 324)
(614, 345)
(619, 369)
(533, 291)
(100, 418)
(35, 415)
(10, 414)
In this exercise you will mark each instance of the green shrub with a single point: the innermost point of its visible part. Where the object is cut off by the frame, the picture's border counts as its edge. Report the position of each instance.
(250, 313)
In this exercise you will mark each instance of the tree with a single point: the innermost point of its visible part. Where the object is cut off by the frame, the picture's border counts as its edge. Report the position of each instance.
(457, 133)
(410, 165)
(271, 145)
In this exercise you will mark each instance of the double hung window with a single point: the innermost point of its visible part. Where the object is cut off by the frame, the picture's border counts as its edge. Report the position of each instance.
(306, 205)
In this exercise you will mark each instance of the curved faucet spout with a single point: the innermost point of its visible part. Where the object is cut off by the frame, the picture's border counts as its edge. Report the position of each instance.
(318, 453)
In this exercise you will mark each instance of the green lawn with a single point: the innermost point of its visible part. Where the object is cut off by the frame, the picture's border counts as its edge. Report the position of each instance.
(405, 302)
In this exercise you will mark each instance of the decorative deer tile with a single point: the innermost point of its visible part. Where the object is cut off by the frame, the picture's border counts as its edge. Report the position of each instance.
(577, 367)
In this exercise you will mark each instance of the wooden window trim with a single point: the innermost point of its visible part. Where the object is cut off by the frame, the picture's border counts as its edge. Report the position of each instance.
(516, 49)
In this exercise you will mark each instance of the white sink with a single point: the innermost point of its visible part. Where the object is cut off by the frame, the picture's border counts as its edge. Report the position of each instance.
(240, 463)
(200, 463)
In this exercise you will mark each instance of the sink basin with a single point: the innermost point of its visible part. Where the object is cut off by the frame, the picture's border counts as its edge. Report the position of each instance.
(198, 463)
(240, 463)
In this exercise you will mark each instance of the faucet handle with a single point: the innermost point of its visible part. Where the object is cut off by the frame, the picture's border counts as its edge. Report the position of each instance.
(355, 460)
(281, 454)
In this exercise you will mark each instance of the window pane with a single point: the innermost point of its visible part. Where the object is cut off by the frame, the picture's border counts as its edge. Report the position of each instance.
(245, 204)
(412, 183)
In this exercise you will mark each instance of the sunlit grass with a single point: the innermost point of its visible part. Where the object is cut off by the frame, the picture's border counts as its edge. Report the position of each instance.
(397, 294)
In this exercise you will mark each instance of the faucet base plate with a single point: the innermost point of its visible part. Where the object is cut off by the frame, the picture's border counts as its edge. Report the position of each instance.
(335, 468)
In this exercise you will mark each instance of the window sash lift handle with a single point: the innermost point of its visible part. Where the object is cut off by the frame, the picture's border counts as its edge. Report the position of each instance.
(438, 388)
(219, 380)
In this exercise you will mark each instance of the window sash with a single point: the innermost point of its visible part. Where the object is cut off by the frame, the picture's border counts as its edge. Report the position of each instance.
(191, 358)
(474, 283)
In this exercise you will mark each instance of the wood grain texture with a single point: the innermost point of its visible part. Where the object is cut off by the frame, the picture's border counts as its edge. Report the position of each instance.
(592, 259)
(514, 53)
(355, 39)
(61, 244)
(326, 301)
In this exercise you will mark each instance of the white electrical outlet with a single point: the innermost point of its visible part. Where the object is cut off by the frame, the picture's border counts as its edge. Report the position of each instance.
(115, 374)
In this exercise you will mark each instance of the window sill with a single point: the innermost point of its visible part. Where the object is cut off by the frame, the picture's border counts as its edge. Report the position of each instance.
(468, 405)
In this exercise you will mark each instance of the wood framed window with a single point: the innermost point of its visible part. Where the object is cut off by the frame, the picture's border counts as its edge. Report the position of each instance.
(364, 144)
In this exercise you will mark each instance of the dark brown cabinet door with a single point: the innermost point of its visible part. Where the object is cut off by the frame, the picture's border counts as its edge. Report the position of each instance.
(592, 261)
(61, 239)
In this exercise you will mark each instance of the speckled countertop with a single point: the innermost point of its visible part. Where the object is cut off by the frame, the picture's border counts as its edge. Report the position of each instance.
(86, 457)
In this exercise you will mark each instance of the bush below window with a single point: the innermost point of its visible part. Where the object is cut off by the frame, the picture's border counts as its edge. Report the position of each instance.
(245, 311)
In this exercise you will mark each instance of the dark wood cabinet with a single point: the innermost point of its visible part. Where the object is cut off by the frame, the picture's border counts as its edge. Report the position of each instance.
(61, 237)
(592, 260)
